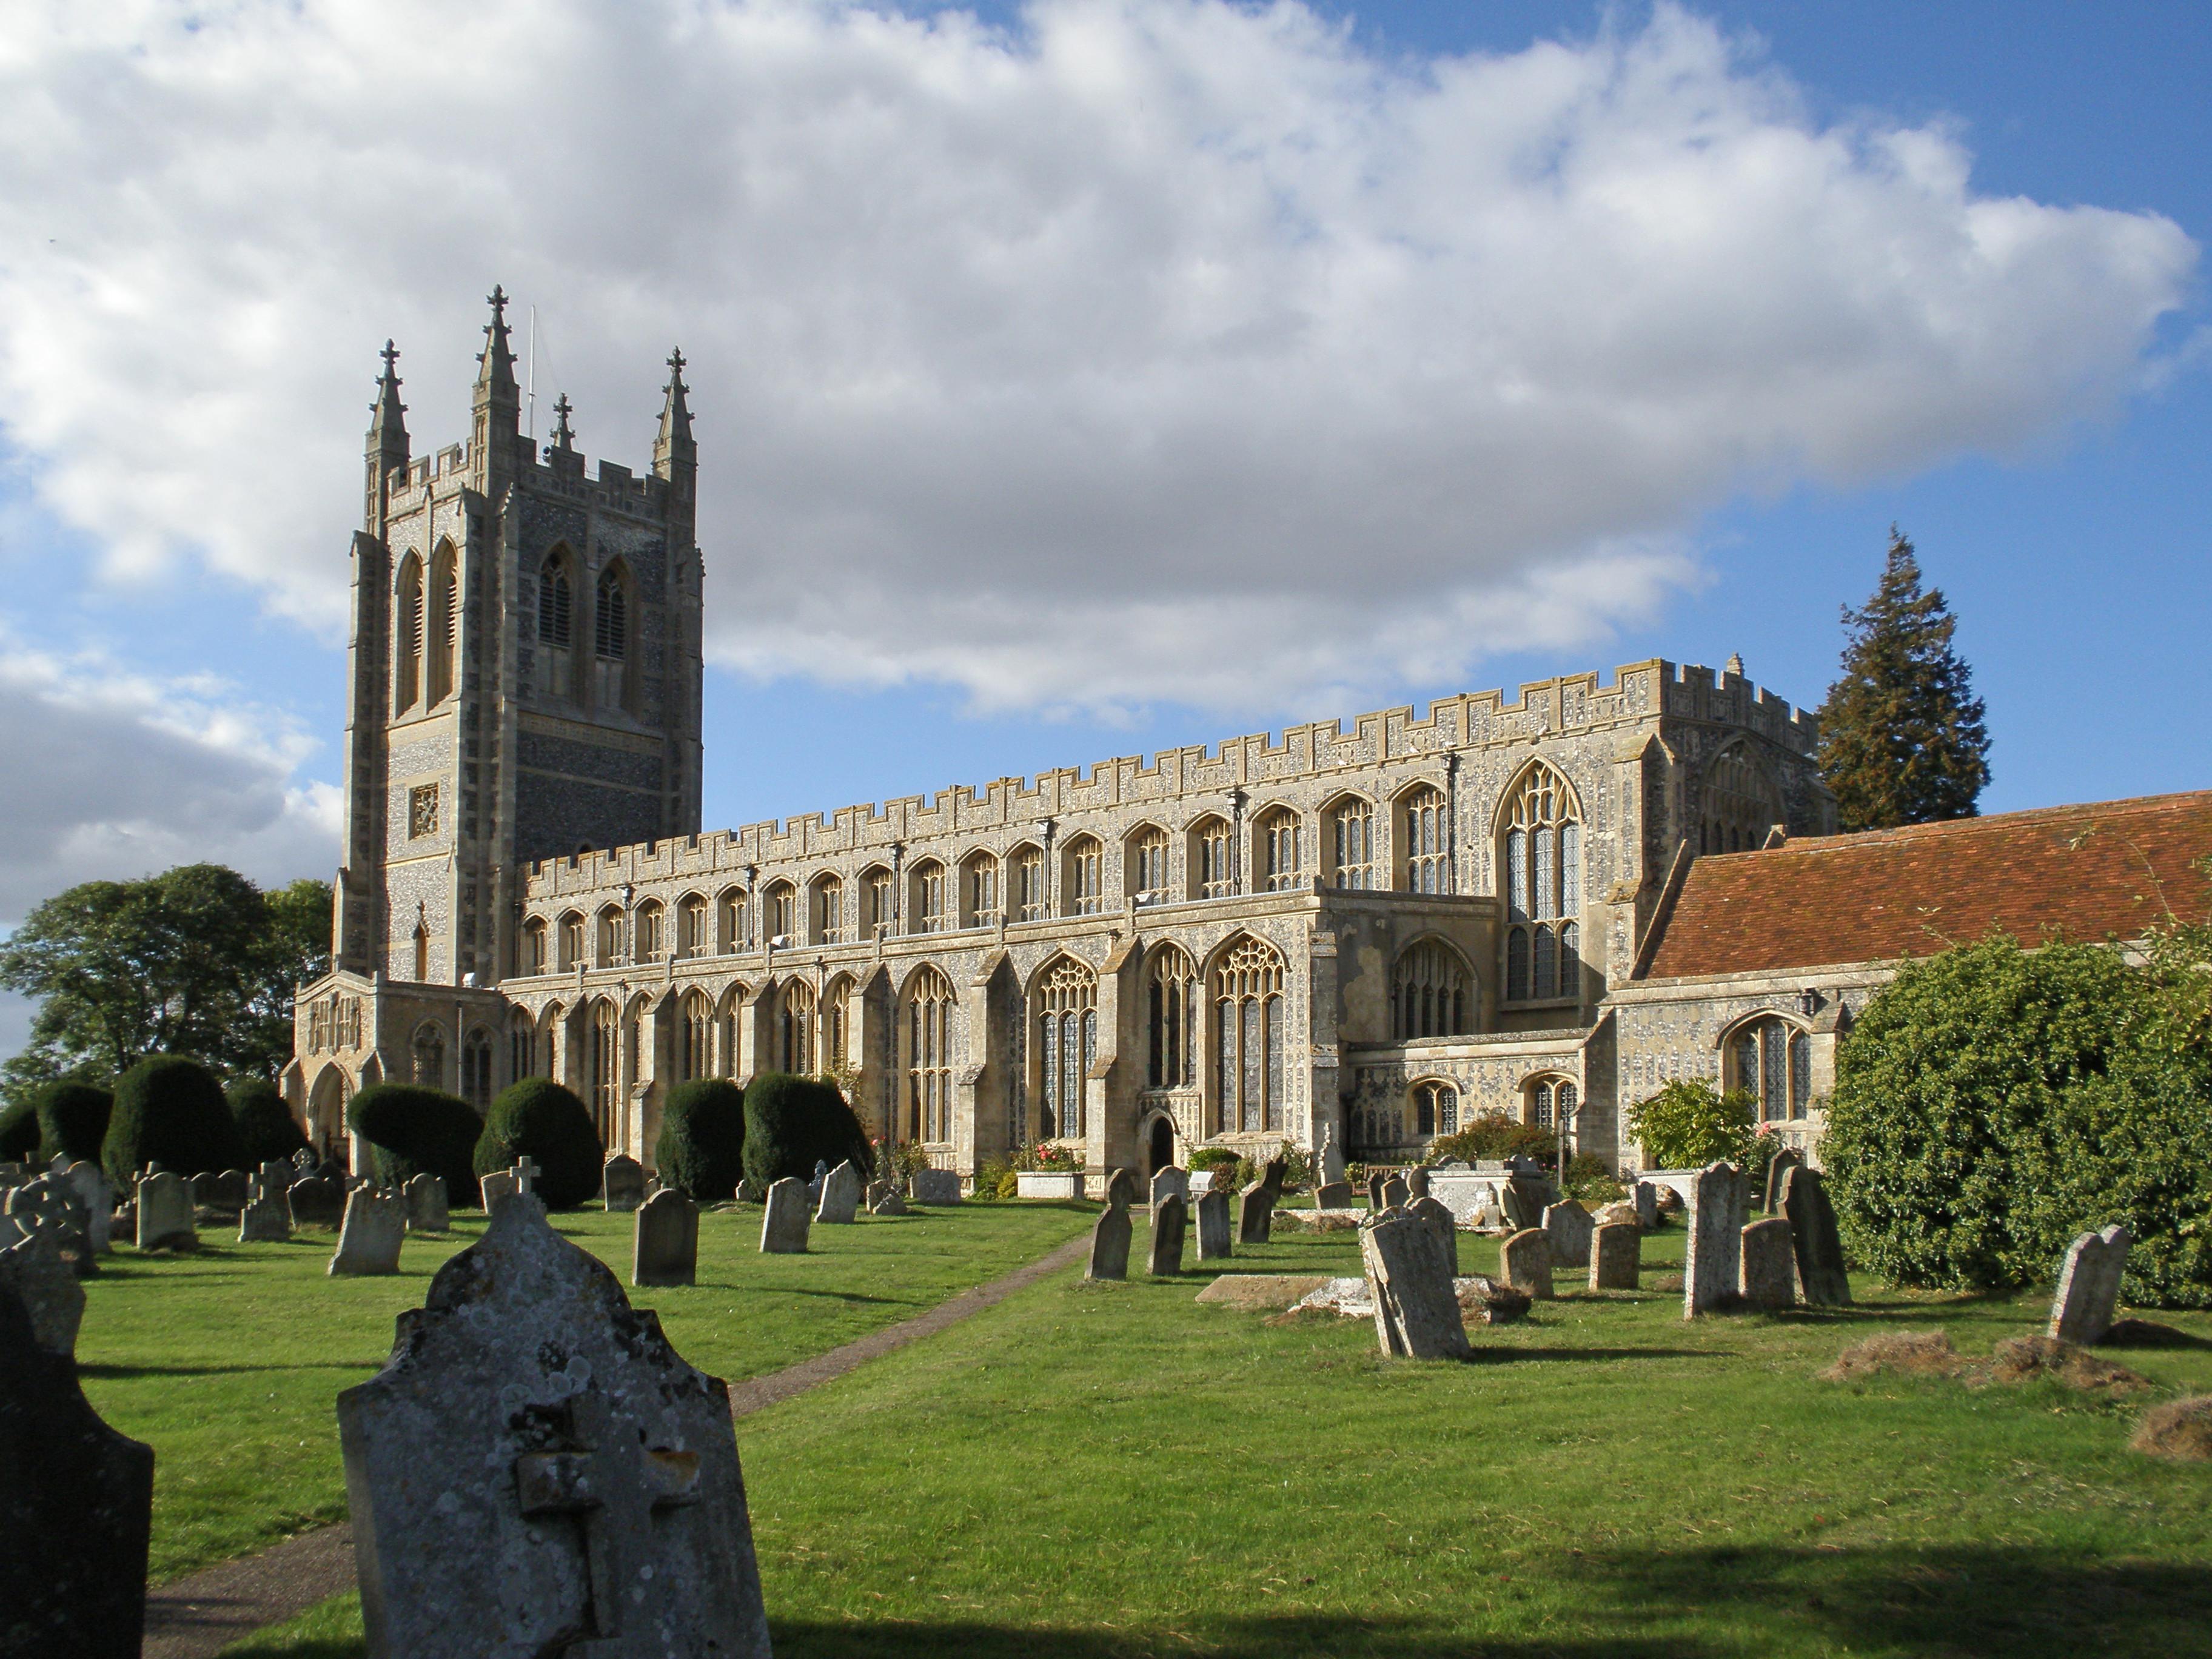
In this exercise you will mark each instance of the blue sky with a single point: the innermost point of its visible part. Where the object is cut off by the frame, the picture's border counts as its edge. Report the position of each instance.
(910, 592)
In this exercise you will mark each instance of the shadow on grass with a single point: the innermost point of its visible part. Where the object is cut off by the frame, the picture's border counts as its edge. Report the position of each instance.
(113, 1371)
(1502, 1355)
(1279, 1638)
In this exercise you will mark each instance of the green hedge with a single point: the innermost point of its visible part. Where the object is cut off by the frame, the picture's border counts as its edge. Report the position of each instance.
(19, 1132)
(538, 1119)
(267, 1128)
(415, 1131)
(72, 1120)
(700, 1152)
(791, 1123)
(168, 1110)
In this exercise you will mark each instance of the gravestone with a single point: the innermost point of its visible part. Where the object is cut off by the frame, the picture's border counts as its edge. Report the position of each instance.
(840, 1196)
(1813, 1238)
(664, 1241)
(1778, 1172)
(889, 1204)
(1524, 1260)
(783, 1223)
(33, 1269)
(1570, 1225)
(76, 1508)
(13, 1174)
(875, 1192)
(276, 1176)
(97, 1194)
(526, 1171)
(264, 1221)
(1437, 1214)
(1417, 1182)
(1766, 1267)
(1213, 1234)
(370, 1236)
(494, 1189)
(1616, 1255)
(165, 1214)
(426, 1205)
(1255, 1220)
(1122, 1188)
(1333, 1195)
(1646, 1199)
(934, 1186)
(1523, 1198)
(1172, 1179)
(317, 1201)
(622, 1184)
(2088, 1295)
(49, 1203)
(1409, 1280)
(1331, 1162)
(1716, 1223)
(1170, 1220)
(1375, 1179)
(1395, 1193)
(536, 1471)
(1109, 1244)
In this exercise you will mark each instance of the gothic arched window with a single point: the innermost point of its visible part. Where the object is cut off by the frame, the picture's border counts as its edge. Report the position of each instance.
(1436, 1108)
(610, 936)
(444, 630)
(1739, 804)
(1148, 866)
(979, 891)
(730, 920)
(836, 1011)
(610, 638)
(1280, 839)
(407, 636)
(695, 1047)
(829, 910)
(1352, 843)
(427, 1053)
(1068, 1044)
(1174, 1015)
(1211, 873)
(475, 1067)
(926, 895)
(1025, 889)
(783, 914)
(650, 943)
(1431, 992)
(794, 1027)
(521, 1046)
(692, 937)
(606, 1069)
(877, 914)
(1425, 836)
(1086, 894)
(1541, 859)
(535, 945)
(1771, 1060)
(557, 625)
(572, 941)
(929, 1056)
(1551, 1102)
(1248, 1007)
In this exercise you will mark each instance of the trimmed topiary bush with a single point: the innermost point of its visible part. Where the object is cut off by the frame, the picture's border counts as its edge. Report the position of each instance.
(19, 1132)
(794, 1122)
(416, 1131)
(538, 1119)
(267, 1128)
(72, 1120)
(702, 1135)
(168, 1110)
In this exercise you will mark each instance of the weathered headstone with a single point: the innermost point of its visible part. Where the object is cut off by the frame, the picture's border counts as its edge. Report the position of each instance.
(536, 1471)
(622, 1184)
(2088, 1296)
(1645, 1197)
(165, 1214)
(265, 1220)
(1716, 1223)
(1214, 1230)
(1569, 1225)
(1330, 1164)
(97, 1194)
(370, 1236)
(889, 1204)
(1255, 1217)
(1172, 1179)
(784, 1220)
(1416, 1181)
(1409, 1280)
(317, 1201)
(1333, 1195)
(1122, 1188)
(76, 1508)
(1109, 1244)
(33, 1269)
(840, 1195)
(1616, 1255)
(934, 1186)
(1813, 1235)
(49, 1203)
(1438, 1215)
(1523, 1198)
(876, 1191)
(1524, 1260)
(1171, 1220)
(1767, 1269)
(1395, 1193)
(1778, 1171)
(494, 1189)
(1375, 1179)
(13, 1174)
(425, 1200)
(664, 1241)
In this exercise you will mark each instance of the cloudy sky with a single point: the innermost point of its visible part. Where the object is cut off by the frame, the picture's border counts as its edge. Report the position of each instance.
(1080, 377)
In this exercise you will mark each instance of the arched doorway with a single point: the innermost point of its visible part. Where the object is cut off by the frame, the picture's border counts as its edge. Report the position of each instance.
(1160, 1146)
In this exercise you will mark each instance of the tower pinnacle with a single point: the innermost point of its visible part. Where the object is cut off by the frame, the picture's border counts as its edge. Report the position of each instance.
(496, 362)
(563, 438)
(674, 447)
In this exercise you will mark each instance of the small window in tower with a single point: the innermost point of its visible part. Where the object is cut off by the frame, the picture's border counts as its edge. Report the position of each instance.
(613, 619)
(422, 811)
(553, 605)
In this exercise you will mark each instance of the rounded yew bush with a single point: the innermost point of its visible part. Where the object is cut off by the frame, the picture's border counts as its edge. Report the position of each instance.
(702, 1133)
(72, 1120)
(539, 1120)
(417, 1131)
(791, 1123)
(267, 1128)
(168, 1110)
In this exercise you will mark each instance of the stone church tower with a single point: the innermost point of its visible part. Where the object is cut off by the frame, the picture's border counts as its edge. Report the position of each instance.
(524, 679)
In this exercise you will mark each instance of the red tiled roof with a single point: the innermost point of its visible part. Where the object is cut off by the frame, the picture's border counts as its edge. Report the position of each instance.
(2107, 869)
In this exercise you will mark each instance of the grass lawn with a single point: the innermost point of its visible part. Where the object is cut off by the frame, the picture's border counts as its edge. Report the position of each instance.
(229, 1363)
(1113, 1470)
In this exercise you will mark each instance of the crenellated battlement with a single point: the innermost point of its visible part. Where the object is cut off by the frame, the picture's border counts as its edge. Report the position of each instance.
(616, 488)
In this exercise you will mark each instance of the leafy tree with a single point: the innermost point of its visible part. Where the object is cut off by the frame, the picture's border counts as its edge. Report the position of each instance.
(1902, 735)
(194, 962)
(1689, 1124)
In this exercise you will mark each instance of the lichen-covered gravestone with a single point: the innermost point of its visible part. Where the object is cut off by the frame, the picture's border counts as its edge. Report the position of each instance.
(1645, 1196)
(1409, 1280)
(369, 1238)
(889, 1204)
(1110, 1240)
(1395, 1193)
(1569, 1225)
(783, 1222)
(49, 1203)
(1417, 1182)
(97, 1194)
(266, 1220)
(664, 1241)
(32, 1267)
(76, 1503)
(1172, 1179)
(1375, 1179)
(934, 1186)
(496, 1189)
(2088, 1296)
(535, 1472)
(622, 1184)
(840, 1195)
(426, 1205)
(165, 1214)
(1616, 1255)
(1766, 1271)
(1813, 1238)
(1438, 1215)
(1715, 1219)
(1171, 1220)
(1524, 1261)
(1213, 1232)
(1333, 1195)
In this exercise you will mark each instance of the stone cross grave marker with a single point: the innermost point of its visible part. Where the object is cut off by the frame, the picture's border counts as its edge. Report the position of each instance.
(75, 1507)
(783, 1223)
(370, 1236)
(664, 1241)
(2088, 1296)
(1109, 1236)
(1438, 1215)
(1409, 1280)
(1767, 1266)
(1172, 1179)
(537, 1471)
(1813, 1235)
(494, 1189)
(1616, 1255)
(1255, 1218)
(1569, 1225)
(1213, 1230)
(1171, 1220)
(49, 1203)
(622, 1184)
(426, 1205)
(1524, 1260)
(315, 1201)
(526, 1171)
(165, 1214)
(1716, 1218)
(840, 1196)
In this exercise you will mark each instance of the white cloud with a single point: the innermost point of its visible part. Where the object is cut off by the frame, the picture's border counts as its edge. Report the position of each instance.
(123, 774)
(1040, 364)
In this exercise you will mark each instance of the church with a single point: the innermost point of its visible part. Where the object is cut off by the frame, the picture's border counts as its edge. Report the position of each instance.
(1547, 906)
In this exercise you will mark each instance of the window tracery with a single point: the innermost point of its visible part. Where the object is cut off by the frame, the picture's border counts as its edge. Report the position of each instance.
(695, 1049)
(1174, 1015)
(1282, 849)
(1551, 1102)
(1436, 1108)
(829, 910)
(1771, 1060)
(572, 941)
(475, 1068)
(1352, 843)
(1425, 825)
(1212, 875)
(1148, 873)
(730, 920)
(1028, 894)
(1086, 893)
(1542, 864)
(1067, 1045)
(980, 895)
(610, 638)
(794, 1023)
(1430, 992)
(1248, 1014)
(1739, 804)
(929, 1056)
(606, 1069)
(879, 914)
(556, 624)
(407, 637)
(928, 893)
(691, 932)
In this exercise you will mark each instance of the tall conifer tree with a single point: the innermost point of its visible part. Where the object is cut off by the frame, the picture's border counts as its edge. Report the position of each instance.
(1902, 735)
